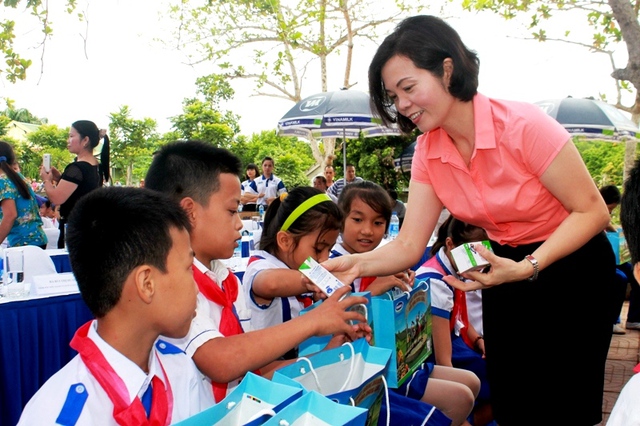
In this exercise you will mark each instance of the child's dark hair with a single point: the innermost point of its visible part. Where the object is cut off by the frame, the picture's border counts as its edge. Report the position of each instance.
(190, 169)
(7, 161)
(370, 193)
(459, 232)
(610, 194)
(89, 129)
(325, 216)
(113, 230)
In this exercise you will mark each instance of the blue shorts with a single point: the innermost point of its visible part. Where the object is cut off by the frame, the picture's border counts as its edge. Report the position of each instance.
(415, 385)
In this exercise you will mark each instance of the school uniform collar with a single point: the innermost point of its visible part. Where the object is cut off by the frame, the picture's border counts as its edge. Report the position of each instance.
(446, 264)
(338, 250)
(217, 270)
(135, 380)
(265, 178)
(440, 145)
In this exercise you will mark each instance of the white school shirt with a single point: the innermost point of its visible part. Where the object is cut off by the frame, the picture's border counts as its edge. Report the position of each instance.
(192, 392)
(263, 316)
(272, 187)
(626, 411)
(338, 250)
(206, 324)
(249, 187)
(441, 293)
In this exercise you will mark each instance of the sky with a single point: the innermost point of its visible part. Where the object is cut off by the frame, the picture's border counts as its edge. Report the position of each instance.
(123, 65)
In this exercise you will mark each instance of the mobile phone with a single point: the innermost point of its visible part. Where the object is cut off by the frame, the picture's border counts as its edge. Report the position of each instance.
(46, 162)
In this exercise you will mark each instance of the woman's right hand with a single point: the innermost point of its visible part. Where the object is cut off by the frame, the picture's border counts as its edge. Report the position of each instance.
(345, 268)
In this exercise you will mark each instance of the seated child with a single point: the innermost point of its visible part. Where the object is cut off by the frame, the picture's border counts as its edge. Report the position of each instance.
(134, 275)
(367, 213)
(305, 223)
(367, 209)
(456, 343)
(205, 181)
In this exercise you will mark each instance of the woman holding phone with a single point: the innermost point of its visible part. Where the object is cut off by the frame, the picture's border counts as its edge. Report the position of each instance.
(80, 177)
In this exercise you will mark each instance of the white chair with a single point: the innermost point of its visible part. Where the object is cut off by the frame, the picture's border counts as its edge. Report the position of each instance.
(36, 262)
(52, 237)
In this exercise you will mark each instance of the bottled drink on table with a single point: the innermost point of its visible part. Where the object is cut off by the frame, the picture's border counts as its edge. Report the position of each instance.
(261, 212)
(394, 226)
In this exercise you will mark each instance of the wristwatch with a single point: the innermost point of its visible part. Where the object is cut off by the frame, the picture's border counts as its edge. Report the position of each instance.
(536, 268)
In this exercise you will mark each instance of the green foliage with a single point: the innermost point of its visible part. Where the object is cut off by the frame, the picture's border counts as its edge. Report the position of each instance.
(373, 158)
(4, 122)
(49, 136)
(604, 160)
(291, 156)
(15, 66)
(203, 118)
(132, 145)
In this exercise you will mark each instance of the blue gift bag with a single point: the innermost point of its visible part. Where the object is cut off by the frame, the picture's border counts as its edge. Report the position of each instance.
(317, 343)
(313, 409)
(352, 374)
(619, 245)
(402, 323)
(254, 401)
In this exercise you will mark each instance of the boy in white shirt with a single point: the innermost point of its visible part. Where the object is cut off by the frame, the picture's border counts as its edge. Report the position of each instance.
(205, 181)
(135, 276)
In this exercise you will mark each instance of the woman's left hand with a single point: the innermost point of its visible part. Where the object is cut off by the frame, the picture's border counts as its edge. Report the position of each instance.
(502, 270)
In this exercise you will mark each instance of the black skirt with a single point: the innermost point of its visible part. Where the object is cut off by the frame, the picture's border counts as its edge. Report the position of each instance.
(547, 340)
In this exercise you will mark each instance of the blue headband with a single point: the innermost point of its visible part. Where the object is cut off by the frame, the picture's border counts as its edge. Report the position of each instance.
(3, 158)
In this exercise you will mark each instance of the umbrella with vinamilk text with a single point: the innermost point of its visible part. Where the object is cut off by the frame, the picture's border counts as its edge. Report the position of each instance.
(591, 118)
(342, 114)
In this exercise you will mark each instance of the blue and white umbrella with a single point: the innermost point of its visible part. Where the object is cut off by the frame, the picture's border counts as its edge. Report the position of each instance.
(591, 118)
(342, 114)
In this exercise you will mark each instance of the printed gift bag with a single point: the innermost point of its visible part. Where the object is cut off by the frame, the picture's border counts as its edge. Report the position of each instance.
(352, 374)
(619, 245)
(313, 409)
(402, 323)
(317, 343)
(254, 401)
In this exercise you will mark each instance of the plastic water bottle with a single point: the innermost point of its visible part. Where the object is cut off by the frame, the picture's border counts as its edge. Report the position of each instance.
(237, 255)
(394, 226)
(261, 212)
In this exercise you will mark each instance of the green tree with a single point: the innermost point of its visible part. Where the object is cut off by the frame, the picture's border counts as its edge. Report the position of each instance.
(613, 23)
(203, 117)
(22, 115)
(132, 142)
(49, 139)
(276, 44)
(373, 158)
(4, 122)
(292, 157)
(14, 67)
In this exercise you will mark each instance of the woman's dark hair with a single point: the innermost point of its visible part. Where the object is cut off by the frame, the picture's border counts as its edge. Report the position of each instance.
(89, 129)
(7, 161)
(325, 216)
(371, 194)
(252, 166)
(459, 232)
(427, 41)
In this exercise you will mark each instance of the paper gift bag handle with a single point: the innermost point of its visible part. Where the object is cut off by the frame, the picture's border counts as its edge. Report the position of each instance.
(315, 376)
(265, 412)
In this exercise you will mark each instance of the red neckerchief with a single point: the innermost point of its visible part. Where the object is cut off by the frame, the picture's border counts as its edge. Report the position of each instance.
(125, 414)
(366, 282)
(229, 323)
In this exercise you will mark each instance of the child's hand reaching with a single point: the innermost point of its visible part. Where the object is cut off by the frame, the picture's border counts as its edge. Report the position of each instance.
(361, 329)
(403, 280)
(332, 316)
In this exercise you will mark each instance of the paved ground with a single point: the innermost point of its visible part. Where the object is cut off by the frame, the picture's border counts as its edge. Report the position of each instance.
(624, 355)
